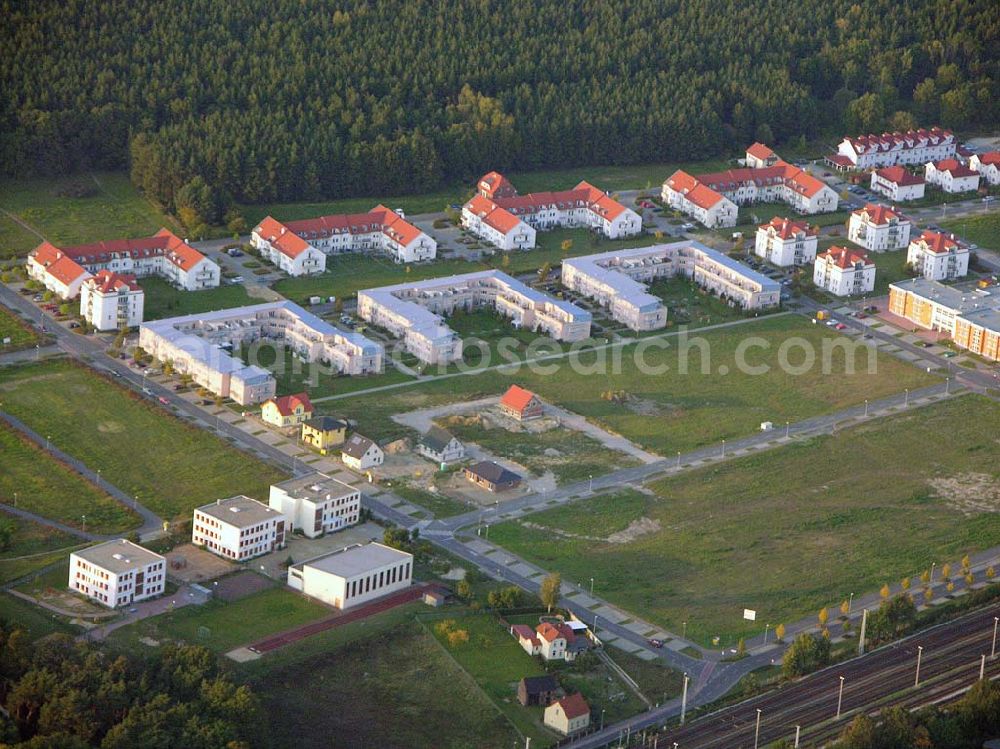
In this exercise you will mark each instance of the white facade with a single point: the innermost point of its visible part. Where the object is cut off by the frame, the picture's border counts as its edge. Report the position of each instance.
(291, 254)
(496, 225)
(897, 184)
(844, 273)
(316, 504)
(951, 176)
(111, 302)
(682, 192)
(988, 167)
(361, 453)
(238, 528)
(353, 575)
(878, 229)
(56, 272)
(784, 243)
(911, 147)
(938, 257)
(441, 446)
(117, 573)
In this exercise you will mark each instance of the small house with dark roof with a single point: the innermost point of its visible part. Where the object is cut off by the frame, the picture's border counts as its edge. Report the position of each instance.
(491, 476)
(520, 404)
(441, 446)
(361, 453)
(324, 432)
(537, 690)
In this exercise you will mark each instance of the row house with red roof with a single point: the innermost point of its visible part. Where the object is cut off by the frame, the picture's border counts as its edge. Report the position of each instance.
(951, 175)
(889, 149)
(164, 254)
(785, 242)
(111, 301)
(988, 167)
(878, 228)
(938, 257)
(844, 272)
(507, 220)
(898, 184)
(685, 193)
(300, 247)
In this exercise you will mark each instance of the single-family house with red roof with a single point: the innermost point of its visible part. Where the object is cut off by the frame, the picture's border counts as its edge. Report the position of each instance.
(287, 410)
(521, 404)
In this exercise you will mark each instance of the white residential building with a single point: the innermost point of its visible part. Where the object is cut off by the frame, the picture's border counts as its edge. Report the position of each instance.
(784, 242)
(353, 575)
(109, 301)
(202, 345)
(297, 246)
(507, 220)
(911, 147)
(988, 167)
(951, 175)
(878, 228)
(117, 573)
(316, 504)
(238, 528)
(55, 270)
(844, 272)
(618, 280)
(414, 311)
(441, 446)
(898, 184)
(361, 453)
(938, 257)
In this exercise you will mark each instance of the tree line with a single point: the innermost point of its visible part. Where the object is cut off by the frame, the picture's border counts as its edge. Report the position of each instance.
(210, 102)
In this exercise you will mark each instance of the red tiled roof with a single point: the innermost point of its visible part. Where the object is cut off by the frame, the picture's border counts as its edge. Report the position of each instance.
(760, 151)
(106, 282)
(524, 632)
(879, 214)
(493, 215)
(899, 140)
(956, 168)
(286, 404)
(839, 159)
(786, 228)
(378, 219)
(283, 239)
(732, 179)
(936, 242)
(495, 185)
(599, 203)
(899, 176)
(501, 194)
(517, 398)
(180, 253)
(991, 157)
(57, 263)
(162, 244)
(844, 258)
(574, 706)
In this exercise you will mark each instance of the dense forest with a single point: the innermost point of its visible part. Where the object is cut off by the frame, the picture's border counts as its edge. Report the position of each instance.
(292, 100)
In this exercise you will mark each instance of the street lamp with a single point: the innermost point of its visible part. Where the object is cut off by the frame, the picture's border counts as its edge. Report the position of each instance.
(723, 448)
(866, 408)
(591, 586)
(591, 477)
(766, 627)
(916, 679)
(684, 630)
(84, 523)
(756, 734)
(931, 578)
(996, 619)
(678, 458)
(906, 397)
(786, 430)
(602, 719)
(48, 441)
(840, 697)
(850, 603)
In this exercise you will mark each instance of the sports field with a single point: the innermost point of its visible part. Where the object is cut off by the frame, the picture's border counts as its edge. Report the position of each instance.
(786, 531)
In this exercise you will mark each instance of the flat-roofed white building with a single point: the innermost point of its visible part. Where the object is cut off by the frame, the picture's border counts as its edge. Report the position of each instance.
(951, 175)
(415, 311)
(987, 165)
(202, 345)
(784, 242)
(117, 573)
(970, 317)
(238, 528)
(898, 184)
(844, 272)
(938, 257)
(316, 504)
(618, 280)
(878, 228)
(353, 575)
(110, 301)
(911, 147)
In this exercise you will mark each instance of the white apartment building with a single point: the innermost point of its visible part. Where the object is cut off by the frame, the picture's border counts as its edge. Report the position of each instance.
(56, 271)
(878, 228)
(844, 272)
(238, 528)
(784, 242)
(296, 246)
(164, 254)
(507, 220)
(898, 184)
(938, 257)
(618, 280)
(353, 575)
(951, 175)
(117, 573)
(988, 167)
(203, 344)
(911, 147)
(686, 194)
(414, 311)
(109, 301)
(316, 504)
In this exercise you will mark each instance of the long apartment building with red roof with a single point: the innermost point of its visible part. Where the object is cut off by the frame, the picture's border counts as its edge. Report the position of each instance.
(509, 221)
(301, 247)
(713, 199)
(888, 149)
(64, 269)
(878, 228)
(951, 175)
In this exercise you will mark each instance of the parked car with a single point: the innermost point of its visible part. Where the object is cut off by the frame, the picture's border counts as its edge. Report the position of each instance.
(38, 297)
(989, 199)
(656, 643)
(74, 324)
(207, 402)
(163, 400)
(840, 326)
(147, 391)
(24, 291)
(235, 252)
(687, 227)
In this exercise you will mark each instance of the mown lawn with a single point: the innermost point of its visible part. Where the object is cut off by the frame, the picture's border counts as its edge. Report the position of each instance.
(983, 229)
(787, 531)
(48, 487)
(139, 447)
(109, 208)
(32, 546)
(14, 327)
(164, 300)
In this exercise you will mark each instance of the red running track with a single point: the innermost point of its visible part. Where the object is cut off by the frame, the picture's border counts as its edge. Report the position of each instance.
(281, 639)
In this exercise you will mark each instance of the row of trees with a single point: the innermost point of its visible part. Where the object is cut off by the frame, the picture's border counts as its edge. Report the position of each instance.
(208, 102)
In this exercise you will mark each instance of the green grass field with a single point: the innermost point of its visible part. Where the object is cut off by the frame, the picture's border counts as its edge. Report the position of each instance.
(440, 505)
(163, 300)
(982, 229)
(689, 305)
(36, 621)
(229, 625)
(139, 447)
(667, 410)
(13, 327)
(109, 209)
(32, 547)
(47, 487)
(790, 530)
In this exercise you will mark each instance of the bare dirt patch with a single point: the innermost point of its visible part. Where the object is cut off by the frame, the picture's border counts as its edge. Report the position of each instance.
(969, 493)
(240, 585)
(111, 427)
(637, 528)
(190, 564)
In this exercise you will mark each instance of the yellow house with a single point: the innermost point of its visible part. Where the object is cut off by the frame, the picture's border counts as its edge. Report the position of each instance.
(324, 432)
(286, 411)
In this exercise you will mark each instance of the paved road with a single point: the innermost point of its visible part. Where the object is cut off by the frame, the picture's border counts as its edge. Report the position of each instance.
(25, 515)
